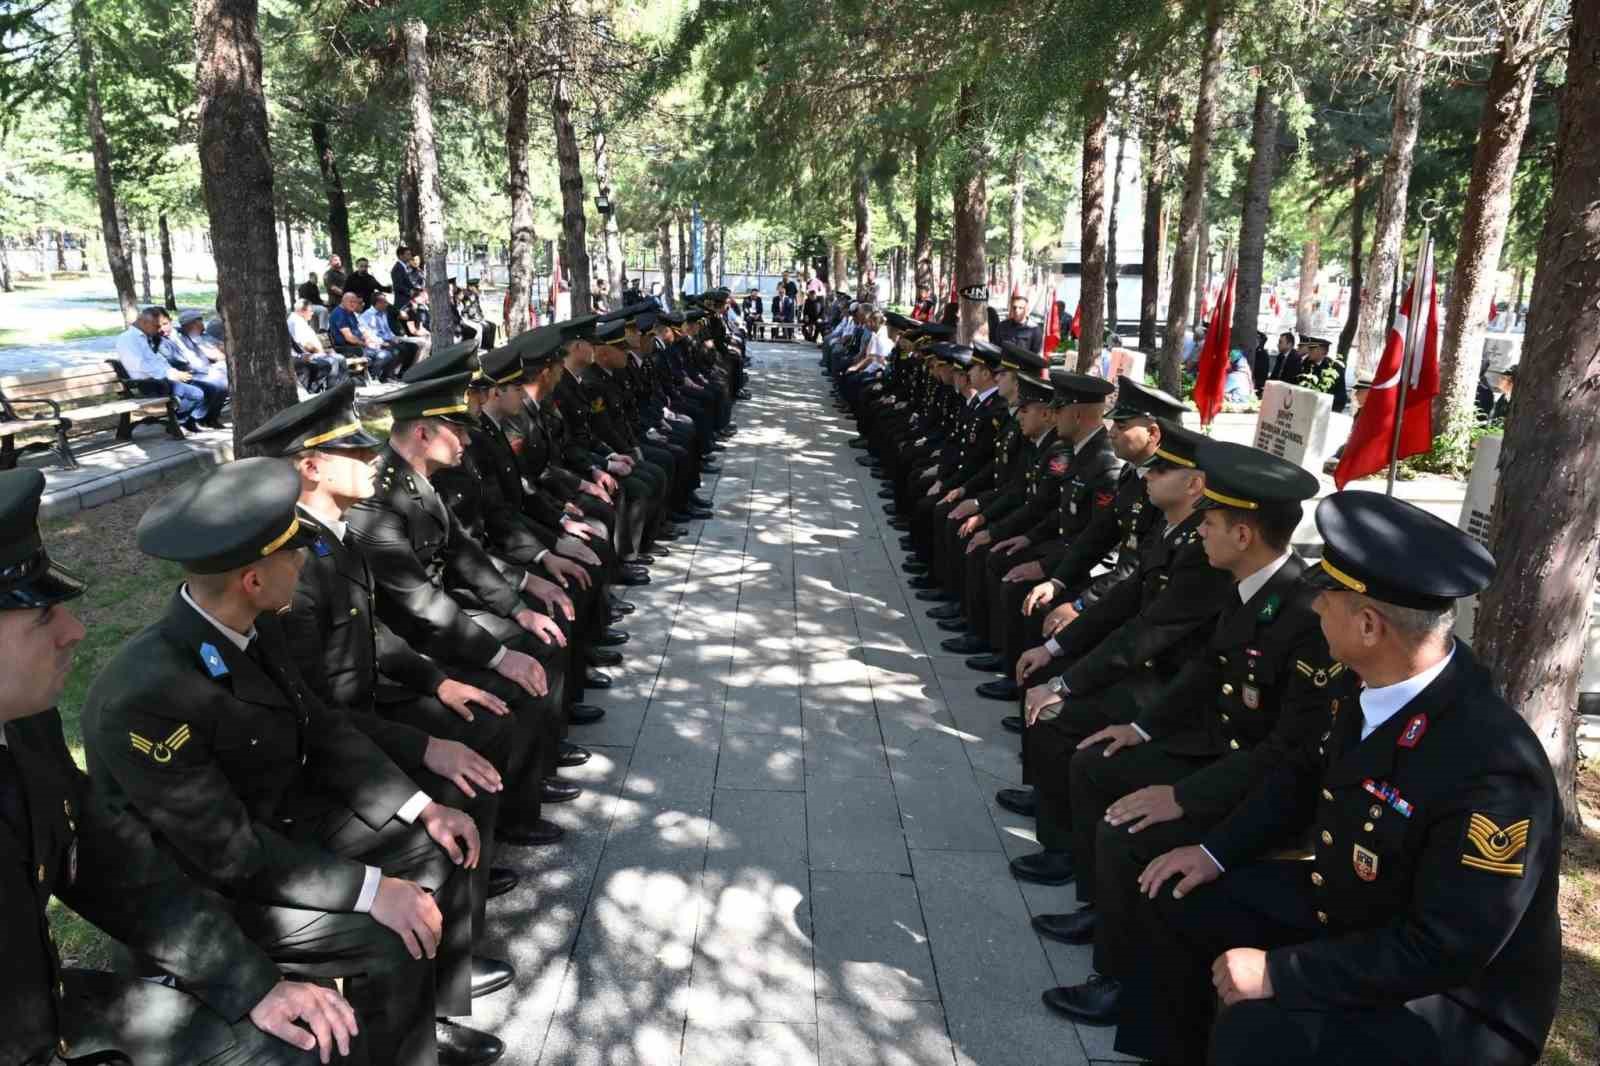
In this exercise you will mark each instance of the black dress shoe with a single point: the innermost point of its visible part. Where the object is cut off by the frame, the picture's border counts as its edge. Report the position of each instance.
(945, 612)
(857, 442)
(1023, 801)
(593, 678)
(611, 637)
(633, 578)
(993, 662)
(681, 517)
(617, 603)
(699, 514)
(535, 835)
(924, 580)
(914, 567)
(1093, 1003)
(614, 615)
(937, 596)
(955, 625)
(699, 501)
(902, 524)
(866, 460)
(971, 644)
(1044, 867)
(886, 494)
(890, 510)
(574, 754)
(732, 427)
(711, 468)
(907, 543)
(1000, 689)
(640, 560)
(586, 713)
(554, 790)
(602, 657)
(491, 975)
(673, 531)
(460, 1045)
(1075, 928)
(502, 879)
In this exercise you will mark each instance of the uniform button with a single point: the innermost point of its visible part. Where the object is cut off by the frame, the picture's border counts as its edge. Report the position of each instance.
(1250, 677)
(354, 611)
(1223, 659)
(1316, 879)
(41, 873)
(1225, 718)
(1149, 664)
(1374, 811)
(62, 1044)
(1234, 744)
(1322, 916)
(1227, 689)
(1327, 837)
(302, 760)
(1327, 795)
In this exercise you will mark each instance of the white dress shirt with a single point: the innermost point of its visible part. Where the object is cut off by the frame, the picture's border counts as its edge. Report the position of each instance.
(408, 811)
(1258, 580)
(139, 359)
(1378, 705)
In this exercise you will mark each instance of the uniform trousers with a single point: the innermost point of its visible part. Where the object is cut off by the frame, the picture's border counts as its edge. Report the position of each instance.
(1048, 747)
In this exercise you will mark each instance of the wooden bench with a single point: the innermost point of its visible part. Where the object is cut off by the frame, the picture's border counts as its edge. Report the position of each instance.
(60, 403)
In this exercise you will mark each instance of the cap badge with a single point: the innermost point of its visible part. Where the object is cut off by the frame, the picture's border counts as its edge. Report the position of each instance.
(212, 659)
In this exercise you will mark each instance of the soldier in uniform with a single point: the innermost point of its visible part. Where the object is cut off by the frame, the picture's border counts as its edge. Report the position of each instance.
(1135, 435)
(1424, 929)
(1115, 660)
(1320, 372)
(59, 839)
(1262, 686)
(974, 450)
(202, 729)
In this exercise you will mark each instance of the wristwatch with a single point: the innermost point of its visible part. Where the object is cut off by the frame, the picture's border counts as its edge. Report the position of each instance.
(1058, 686)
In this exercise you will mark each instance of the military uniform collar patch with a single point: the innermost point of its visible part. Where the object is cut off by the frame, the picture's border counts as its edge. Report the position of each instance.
(211, 659)
(1269, 610)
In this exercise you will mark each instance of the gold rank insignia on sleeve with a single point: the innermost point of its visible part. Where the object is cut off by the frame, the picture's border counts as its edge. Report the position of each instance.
(1319, 676)
(1488, 847)
(161, 750)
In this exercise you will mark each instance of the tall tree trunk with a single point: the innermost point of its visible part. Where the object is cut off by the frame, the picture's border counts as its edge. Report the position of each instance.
(5, 266)
(1194, 190)
(1533, 620)
(1506, 104)
(288, 249)
(838, 266)
(430, 201)
(333, 192)
(105, 192)
(168, 296)
(862, 212)
(1155, 242)
(236, 178)
(1389, 226)
(1016, 237)
(408, 201)
(1111, 233)
(1092, 285)
(611, 243)
(683, 252)
(709, 254)
(574, 226)
(144, 265)
(519, 275)
(664, 251)
(1202, 263)
(922, 218)
(970, 216)
(61, 250)
(1359, 169)
(1310, 265)
(1254, 219)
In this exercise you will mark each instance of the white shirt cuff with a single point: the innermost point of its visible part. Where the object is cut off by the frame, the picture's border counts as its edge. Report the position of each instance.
(1213, 858)
(499, 657)
(1061, 586)
(412, 808)
(1146, 736)
(1053, 648)
(369, 890)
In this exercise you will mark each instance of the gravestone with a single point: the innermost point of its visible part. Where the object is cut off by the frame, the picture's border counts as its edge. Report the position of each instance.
(1117, 361)
(1293, 424)
(1477, 512)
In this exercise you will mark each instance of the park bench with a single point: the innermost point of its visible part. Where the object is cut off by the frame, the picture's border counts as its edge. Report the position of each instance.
(58, 404)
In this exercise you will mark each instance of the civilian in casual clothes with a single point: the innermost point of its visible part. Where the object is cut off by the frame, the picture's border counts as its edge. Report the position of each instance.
(333, 279)
(317, 369)
(362, 283)
(202, 359)
(398, 353)
(310, 289)
(152, 375)
(783, 311)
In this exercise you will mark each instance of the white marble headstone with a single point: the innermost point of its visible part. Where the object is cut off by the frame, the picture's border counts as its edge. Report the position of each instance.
(1477, 512)
(1293, 424)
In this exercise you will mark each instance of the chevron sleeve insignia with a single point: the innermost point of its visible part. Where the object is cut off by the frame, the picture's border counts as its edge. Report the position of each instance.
(161, 751)
(1490, 848)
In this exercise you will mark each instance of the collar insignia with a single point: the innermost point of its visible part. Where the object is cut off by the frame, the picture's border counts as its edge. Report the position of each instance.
(212, 659)
(321, 547)
(1270, 610)
(1411, 735)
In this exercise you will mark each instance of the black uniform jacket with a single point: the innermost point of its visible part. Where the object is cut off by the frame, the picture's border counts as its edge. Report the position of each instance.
(572, 400)
(1258, 692)
(1437, 845)
(416, 546)
(1151, 623)
(1120, 530)
(1021, 489)
(609, 419)
(976, 447)
(1042, 489)
(1001, 464)
(1090, 486)
(497, 459)
(215, 755)
(103, 864)
(340, 645)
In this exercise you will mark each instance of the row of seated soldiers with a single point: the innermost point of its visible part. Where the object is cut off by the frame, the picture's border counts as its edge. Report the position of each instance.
(1302, 824)
(299, 776)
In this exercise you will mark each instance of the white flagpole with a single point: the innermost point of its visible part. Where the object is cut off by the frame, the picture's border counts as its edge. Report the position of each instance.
(1416, 326)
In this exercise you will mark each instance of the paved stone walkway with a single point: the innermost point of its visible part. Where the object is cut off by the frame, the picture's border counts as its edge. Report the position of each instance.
(788, 851)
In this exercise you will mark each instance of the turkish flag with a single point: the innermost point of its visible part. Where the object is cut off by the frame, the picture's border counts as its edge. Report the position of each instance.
(1371, 437)
(1077, 320)
(1212, 374)
(1052, 327)
(1494, 310)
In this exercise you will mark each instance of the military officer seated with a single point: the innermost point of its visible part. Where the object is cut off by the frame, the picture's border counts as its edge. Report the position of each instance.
(58, 838)
(1424, 928)
(203, 730)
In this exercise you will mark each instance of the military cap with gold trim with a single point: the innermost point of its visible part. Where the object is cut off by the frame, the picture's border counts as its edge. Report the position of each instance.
(1073, 388)
(900, 322)
(1033, 390)
(694, 314)
(1017, 358)
(937, 330)
(28, 577)
(1138, 400)
(444, 398)
(326, 422)
(504, 366)
(460, 357)
(987, 354)
(608, 332)
(229, 517)
(1396, 553)
(536, 346)
(575, 327)
(1178, 447)
(1246, 478)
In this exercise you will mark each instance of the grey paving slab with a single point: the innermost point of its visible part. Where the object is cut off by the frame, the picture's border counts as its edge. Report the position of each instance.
(767, 1043)
(761, 761)
(943, 810)
(870, 940)
(865, 1031)
(854, 824)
